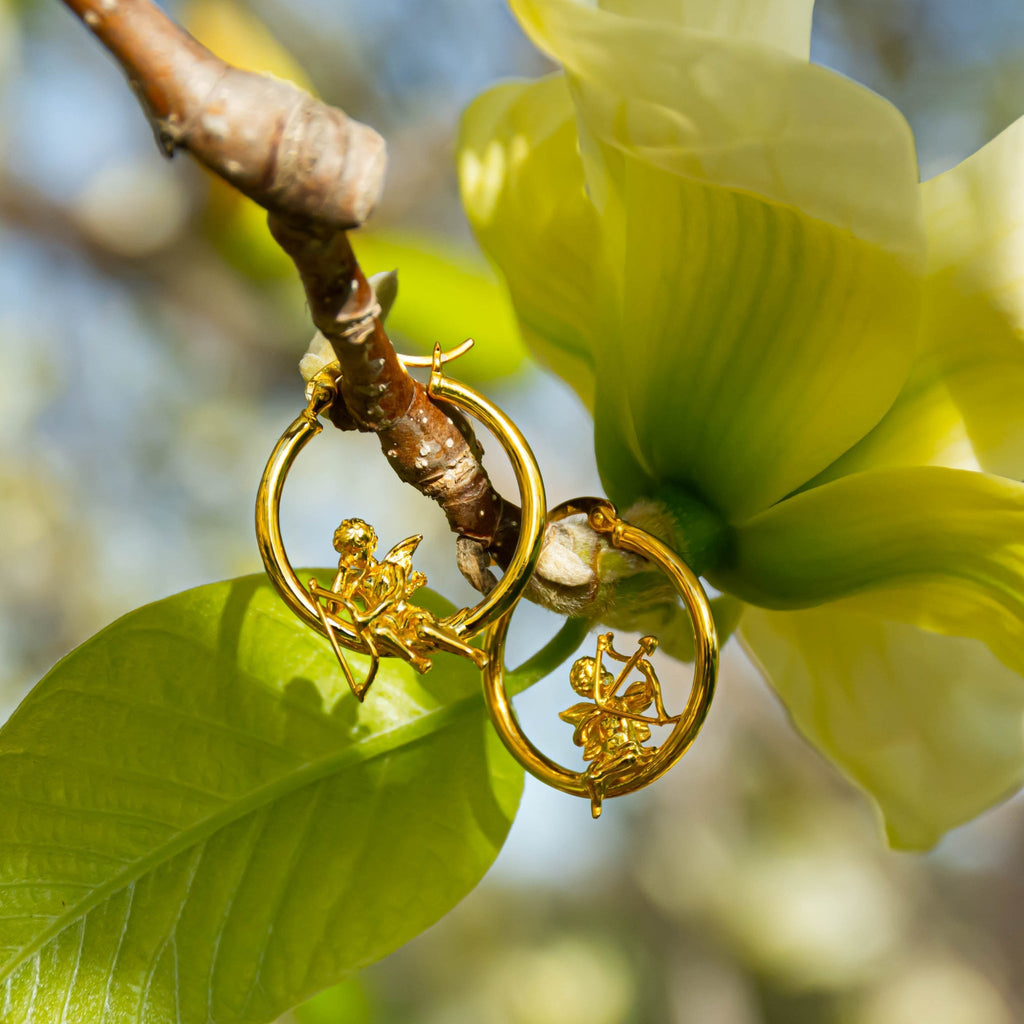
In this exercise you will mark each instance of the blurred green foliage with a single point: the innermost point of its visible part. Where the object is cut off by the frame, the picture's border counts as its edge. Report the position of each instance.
(348, 1002)
(445, 296)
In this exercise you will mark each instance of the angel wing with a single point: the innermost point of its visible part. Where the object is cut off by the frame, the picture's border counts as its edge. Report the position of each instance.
(401, 554)
(638, 698)
(578, 713)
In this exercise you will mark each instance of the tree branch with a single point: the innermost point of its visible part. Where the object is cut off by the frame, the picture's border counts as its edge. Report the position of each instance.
(427, 446)
(294, 155)
(318, 173)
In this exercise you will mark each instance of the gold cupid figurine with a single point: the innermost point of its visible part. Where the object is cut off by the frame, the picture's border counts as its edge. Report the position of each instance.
(375, 599)
(612, 728)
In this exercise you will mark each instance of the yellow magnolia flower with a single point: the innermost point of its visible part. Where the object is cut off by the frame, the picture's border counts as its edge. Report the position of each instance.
(801, 352)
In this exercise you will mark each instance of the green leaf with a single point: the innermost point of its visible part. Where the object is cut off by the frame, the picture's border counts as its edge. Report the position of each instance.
(199, 822)
(347, 1003)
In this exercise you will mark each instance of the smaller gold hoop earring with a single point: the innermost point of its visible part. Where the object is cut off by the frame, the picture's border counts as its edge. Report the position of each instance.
(613, 724)
(368, 609)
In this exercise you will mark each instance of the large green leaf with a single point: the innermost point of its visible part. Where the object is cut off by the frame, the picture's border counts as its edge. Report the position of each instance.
(199, 823)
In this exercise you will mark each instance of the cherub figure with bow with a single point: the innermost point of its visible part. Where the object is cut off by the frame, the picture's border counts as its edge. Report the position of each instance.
(375, 597)
(612, 728)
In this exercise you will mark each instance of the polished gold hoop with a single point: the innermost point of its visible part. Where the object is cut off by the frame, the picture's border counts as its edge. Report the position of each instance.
(609, 727)
(314, 605)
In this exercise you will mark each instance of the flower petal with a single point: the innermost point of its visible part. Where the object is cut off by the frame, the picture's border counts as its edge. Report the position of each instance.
(724, 111)
(963, 402)
(759, 223)
(931, 726)
(974, 302)
(750, 346)
(522, 187)
(942, 549)
(924, 427)
(782, 24)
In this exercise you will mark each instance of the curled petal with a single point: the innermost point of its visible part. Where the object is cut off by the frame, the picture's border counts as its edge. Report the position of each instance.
(723, 111)
(942, 549)
(931, 726)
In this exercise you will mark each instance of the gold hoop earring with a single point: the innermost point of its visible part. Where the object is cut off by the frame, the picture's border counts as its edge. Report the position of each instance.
(614, 725)
(379, 620)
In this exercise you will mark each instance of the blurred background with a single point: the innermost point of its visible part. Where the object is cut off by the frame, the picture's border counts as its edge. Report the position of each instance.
(149, 338)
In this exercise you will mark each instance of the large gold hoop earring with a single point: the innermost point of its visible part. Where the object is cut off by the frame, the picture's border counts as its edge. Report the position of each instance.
(612, 724)
(367, 609)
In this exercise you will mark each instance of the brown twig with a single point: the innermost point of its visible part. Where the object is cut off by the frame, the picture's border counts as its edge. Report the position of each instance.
(318, 173)
(425, 445)
(292, 154)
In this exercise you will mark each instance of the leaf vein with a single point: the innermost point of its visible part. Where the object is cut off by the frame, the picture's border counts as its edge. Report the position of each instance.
(215, 727)
(117, 949)
(73, 980)
(289, 879)
(378, 745)
(256, 831)
(99, 812)
(157, 781)
(345, 891)
(197, 856)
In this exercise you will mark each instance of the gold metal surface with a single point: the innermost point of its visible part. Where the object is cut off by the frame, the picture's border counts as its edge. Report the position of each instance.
(614, 726)
(387, 633)
(375, 597)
